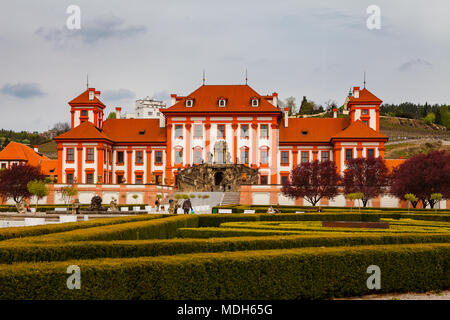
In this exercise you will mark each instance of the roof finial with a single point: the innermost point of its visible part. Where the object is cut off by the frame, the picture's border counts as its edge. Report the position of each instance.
(87, 80)
(246, 78)
(203, 76)
(364, 79)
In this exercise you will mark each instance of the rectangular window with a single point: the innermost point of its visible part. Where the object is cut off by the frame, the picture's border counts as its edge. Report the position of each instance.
(197, 156)
(178, 131)
(198, 131)
(3, 165)
(325, 156)
(221, 131)
(263, 156)
(244, 156)
(284, 179)
(348, 154)
(89, 178)
(70, 154)
(139, 158)
(366, 122)
(264, 132)
(365, 111)
(139, 179)
(284, 157)
(158, 157)
(119, 156)
(90, 154)
(178, 156)
(370, 153)
(244, 131)
(263, 179)
(158, 179)
(305, 156)
(84, 113)
(119, 178)
(69, 178)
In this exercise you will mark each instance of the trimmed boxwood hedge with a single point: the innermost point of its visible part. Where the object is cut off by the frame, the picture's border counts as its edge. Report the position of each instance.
(307, 273)
(19, 232)
(214, 220)
(55, 251)
(154, 229)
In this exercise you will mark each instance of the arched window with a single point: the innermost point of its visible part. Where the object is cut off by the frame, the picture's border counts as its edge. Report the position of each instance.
(244, 155)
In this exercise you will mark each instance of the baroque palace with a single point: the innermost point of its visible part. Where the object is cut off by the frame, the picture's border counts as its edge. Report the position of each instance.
(217, 138)
(216, 125)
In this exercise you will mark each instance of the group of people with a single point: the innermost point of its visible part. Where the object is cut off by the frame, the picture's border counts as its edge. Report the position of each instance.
(272, 210)
(174, 205)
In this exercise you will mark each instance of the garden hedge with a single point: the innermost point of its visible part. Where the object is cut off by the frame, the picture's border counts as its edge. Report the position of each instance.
(214, 220)
(19, 232)
(154, 229)
(307, 273)
(55, 251)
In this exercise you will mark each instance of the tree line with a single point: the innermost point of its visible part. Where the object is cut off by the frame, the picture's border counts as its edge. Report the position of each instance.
(437, 113)
(32, 138)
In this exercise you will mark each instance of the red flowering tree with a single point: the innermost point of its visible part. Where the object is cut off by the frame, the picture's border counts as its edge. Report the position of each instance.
(366, 175)
(313, 181)
(14, 180)
(423, 175)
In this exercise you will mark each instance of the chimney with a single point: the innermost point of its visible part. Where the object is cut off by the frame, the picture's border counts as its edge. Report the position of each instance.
(275, 99)
(356, 92)
(91, 93)
(173, 99)
(97, 94)
(286, 117)
(335, 111)
(118, 109)
(36, 149)
(162, 121)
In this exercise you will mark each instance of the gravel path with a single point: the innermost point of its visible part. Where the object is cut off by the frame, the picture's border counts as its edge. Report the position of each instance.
(444, 295)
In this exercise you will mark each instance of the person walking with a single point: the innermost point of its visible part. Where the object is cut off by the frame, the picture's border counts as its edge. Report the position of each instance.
(157, 204)
(187, 206)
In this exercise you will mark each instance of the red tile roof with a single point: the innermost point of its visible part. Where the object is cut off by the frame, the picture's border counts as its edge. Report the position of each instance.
(15, 151)
(238, 100)
(134, 130)
(83, 99)
(359, 130)
(86, 130)
(318, 129)
(118, 130)
(365, 96)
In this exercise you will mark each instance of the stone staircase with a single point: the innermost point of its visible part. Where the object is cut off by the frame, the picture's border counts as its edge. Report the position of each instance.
(231, 198)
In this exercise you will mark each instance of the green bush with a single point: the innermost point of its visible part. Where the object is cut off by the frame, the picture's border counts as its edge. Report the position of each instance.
(214, 220)
(307, 273)
(20, 232)
(154, 229)
(56, 251)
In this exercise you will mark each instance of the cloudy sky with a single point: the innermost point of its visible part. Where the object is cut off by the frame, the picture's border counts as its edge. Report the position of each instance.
(137, 48)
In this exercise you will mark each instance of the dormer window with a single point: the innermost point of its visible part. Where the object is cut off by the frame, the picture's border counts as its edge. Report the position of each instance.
(222, 102)
(255, 102)
(189, 103)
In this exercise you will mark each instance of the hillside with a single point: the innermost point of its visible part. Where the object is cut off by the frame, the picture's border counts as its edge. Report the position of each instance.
(404, 128)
